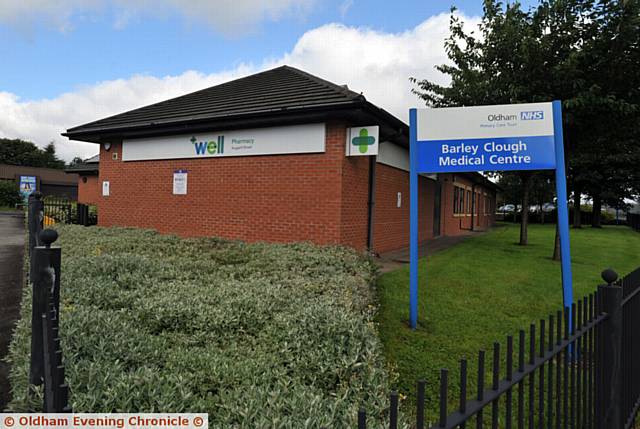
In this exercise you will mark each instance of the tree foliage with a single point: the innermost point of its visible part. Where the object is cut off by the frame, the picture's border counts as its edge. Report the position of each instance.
(583, 52)
(605, 161)
(27, 154)
(9, 195)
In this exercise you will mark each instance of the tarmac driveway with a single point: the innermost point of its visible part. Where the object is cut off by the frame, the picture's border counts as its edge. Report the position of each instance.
(11, 254)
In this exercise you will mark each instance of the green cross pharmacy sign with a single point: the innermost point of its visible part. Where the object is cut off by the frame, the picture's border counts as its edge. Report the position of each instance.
(362, 141)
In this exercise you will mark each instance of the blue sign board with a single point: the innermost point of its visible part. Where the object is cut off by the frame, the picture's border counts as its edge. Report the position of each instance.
(506, 153)
(27, 185)
(487, 138)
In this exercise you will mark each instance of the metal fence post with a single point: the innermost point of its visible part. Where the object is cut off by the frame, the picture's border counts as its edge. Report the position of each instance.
(83, 214)
(35, 219)
(45, 269)
(610, 393)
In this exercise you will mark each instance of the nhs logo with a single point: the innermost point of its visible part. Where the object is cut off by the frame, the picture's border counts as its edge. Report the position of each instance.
(532, 115)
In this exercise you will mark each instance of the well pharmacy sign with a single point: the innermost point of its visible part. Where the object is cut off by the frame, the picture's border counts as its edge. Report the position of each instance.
(293, 139)
(487, 138)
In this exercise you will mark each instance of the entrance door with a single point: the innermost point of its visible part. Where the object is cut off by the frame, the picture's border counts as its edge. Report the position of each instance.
(437, 200)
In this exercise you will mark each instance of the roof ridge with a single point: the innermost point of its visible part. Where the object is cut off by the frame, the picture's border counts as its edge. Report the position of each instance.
(326, 83)
(180, 96)
(162, 101)
(294, 88)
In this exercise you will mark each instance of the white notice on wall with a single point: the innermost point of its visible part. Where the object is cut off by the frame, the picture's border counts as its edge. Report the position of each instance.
(105, 188)
(180, 182)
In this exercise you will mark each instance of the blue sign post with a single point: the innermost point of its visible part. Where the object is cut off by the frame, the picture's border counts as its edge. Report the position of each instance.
(487, 138)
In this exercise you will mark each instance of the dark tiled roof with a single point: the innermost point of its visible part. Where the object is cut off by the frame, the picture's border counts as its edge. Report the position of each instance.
(89, 165)
(281, 89)
(48, 176)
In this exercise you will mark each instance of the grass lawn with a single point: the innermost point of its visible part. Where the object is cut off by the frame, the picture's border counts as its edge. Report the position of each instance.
(482, 290)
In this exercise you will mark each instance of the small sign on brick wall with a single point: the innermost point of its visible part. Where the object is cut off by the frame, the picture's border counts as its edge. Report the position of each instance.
(362, 141)
(180, 182)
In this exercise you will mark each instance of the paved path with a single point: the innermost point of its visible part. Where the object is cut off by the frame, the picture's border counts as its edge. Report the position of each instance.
(11, 254)
(398, 258)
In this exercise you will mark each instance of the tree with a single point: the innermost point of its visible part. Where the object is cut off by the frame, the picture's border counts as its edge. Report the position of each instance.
(49, 157)
(519, 57)
(609, 105)
(76, 161)
(583, 52)
(511, 185)
(542, 191)
(25, 153)
(9, 194)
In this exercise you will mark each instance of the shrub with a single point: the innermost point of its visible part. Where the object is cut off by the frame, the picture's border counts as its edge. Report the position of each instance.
(9, 194)
(257, 335)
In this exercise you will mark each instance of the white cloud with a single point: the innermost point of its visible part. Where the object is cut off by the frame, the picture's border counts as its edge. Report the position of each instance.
(376, 63)
(231, 17)
(42, 121)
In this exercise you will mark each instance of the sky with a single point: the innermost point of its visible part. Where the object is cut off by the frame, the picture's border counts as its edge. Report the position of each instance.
(68, 62)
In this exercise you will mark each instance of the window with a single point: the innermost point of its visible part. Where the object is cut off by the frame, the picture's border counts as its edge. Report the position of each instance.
(456, 192)
(458, 200)
(468, 201)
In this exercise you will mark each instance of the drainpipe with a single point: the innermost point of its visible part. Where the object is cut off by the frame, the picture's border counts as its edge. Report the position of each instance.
(371, 202)
(473, 203)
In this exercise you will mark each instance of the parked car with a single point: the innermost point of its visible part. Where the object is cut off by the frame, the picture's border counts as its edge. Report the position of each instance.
(507, 208)
(548, 207)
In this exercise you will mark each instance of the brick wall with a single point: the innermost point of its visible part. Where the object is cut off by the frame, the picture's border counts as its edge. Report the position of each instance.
(307, 197)
(89, 192)
(355, 200)
(273, 198)
(460, 223)
(391, 223)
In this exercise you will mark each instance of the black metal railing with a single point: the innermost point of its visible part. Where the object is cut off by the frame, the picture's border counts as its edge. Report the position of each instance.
(57, 209)
(633, 220)
(630, 300)
(46, 364)
(579, 368)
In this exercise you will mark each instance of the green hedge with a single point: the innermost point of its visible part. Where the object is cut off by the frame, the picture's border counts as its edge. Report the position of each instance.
(9, 195)
(257, 335)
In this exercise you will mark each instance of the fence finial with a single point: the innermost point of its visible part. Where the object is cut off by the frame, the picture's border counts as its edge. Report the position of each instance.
(48, 236)
(609, 276)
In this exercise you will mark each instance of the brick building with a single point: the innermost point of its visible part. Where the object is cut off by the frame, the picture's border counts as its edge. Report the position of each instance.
(265, 158)
(87, 174)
